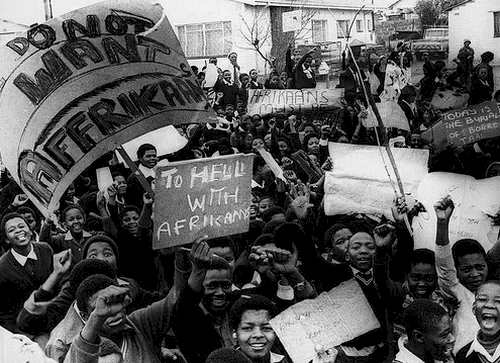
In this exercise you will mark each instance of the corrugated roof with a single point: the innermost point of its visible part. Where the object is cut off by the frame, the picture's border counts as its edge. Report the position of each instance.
(333, 4)
(458, 4)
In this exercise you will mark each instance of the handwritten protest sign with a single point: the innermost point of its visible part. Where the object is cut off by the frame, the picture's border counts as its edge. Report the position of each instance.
(396, 78)
(273, 101)
(202, 197)
(474, 200)
(473, 123)
(391, 113)
(359, 181)
(333, 318)
(81, 84)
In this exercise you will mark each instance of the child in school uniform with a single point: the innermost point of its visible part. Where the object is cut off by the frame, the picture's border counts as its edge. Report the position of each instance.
(73, 218)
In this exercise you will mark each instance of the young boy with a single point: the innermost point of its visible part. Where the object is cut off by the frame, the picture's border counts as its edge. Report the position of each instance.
(430, 337)
(461, 270)
(73, 218)
(486, 308)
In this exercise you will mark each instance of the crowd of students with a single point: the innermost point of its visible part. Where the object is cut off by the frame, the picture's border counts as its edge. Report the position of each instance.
(90, 288)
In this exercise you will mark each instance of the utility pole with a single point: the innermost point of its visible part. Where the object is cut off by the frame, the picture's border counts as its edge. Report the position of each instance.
(47, 7)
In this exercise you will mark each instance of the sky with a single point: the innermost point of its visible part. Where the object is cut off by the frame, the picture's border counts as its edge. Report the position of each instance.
(28, 12)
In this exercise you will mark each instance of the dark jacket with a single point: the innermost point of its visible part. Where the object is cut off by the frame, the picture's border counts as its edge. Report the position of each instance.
(17, 282)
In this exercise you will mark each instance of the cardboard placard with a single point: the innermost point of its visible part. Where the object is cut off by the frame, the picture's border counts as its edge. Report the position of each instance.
(448, 99)
(474, 200)
(359, 182)
(104, 178)
(391, 113)
(86, 82)
(292, 20)
(333, 318)
(199, 197)
(473, 123)
(274, 101)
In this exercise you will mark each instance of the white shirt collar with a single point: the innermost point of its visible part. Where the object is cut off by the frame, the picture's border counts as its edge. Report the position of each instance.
(356, 271)
(22, 259)
(147, 171)
(69, 237)
(404, 355)
(478, 348)
(276, 358)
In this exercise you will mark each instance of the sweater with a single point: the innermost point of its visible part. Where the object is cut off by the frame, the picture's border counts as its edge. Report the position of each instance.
(17, 282)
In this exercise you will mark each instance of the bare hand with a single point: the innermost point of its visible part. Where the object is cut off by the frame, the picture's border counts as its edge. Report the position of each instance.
(282, 261)
(19, 200)
(62, 261)
(444, 209)
(200, 254)
(399, 209)
(383, 235)
(259, 259)
(147, 199)
(112, 190)
(301, 195)
(111, 301)
(100, 200)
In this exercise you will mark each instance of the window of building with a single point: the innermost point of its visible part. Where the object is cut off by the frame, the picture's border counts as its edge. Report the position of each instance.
(496, 24)
(359, 26)
(318, 31)
(369, 25)
(206, 40)
(342, 28)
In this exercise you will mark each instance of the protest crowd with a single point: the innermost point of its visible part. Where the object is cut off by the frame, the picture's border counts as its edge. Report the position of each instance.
(86, 285)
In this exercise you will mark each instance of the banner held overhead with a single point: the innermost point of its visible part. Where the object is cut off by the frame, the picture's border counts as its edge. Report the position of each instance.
(80, 85)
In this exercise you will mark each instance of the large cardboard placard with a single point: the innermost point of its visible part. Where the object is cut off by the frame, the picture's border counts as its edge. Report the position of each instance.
(333, 318)
(79, 85)
(199, 197)
(274, 101)
(475, 200)
(359, 182)
(391, 113)
(473, 123)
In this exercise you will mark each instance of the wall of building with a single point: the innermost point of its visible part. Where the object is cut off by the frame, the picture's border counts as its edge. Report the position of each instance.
(331, 17)
(195, 12)
(474, 21)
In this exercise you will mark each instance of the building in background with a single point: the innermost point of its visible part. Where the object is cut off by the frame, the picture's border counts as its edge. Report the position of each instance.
(479, 21)
(213, 28)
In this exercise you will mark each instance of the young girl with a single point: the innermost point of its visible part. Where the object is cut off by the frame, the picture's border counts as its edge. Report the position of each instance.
(24, 267)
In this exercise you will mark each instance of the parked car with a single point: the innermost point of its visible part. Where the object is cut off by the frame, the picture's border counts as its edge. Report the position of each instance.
(435, 42)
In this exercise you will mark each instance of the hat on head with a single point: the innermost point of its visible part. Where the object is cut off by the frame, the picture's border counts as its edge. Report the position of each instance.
(467, 40)
(100, 238)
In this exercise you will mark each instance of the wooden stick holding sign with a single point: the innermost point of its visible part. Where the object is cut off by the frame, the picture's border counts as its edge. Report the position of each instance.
(370, 100)
(135, 170)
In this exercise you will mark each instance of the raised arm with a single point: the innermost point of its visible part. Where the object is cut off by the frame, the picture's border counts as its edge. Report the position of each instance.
(447, 274)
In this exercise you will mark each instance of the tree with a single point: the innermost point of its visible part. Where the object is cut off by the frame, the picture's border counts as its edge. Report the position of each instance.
(258, 31)
(433, 12)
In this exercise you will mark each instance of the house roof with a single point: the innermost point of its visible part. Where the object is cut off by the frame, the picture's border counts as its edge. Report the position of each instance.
(333, 4)
(449, 8)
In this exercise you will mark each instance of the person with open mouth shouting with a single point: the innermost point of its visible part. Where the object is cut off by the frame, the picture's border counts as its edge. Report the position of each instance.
(486, 308)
